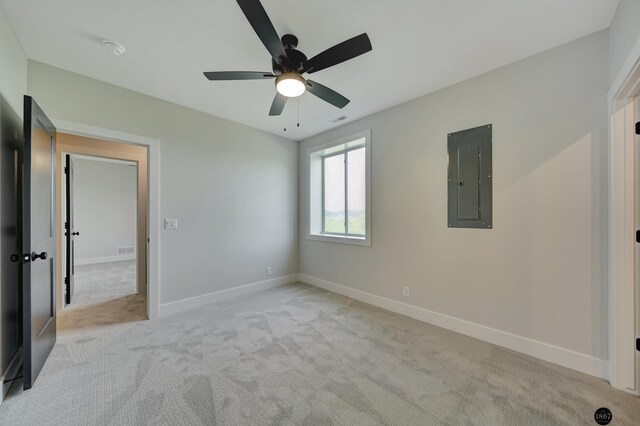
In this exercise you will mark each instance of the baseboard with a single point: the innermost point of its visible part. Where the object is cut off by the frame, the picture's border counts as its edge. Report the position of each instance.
(544, 351)
(206, 299)
(105, 259)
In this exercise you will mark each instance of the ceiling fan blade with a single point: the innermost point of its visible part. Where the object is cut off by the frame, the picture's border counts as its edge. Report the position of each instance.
(259, 20)
(326, 94)
(339, 53)
(278, 104)
(238, 75)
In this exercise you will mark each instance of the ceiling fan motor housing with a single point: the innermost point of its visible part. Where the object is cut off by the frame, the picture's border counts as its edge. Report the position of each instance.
(294, 60)
(289, 41)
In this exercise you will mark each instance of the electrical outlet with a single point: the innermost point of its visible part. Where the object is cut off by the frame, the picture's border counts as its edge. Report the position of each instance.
(405, 291)
(268, 270)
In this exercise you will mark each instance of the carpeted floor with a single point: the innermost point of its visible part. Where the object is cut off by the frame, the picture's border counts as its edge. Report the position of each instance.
(103, 281)
(104, 294)
(294, 355)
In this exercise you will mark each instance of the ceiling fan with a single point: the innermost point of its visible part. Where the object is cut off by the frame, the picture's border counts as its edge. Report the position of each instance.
(289, 64)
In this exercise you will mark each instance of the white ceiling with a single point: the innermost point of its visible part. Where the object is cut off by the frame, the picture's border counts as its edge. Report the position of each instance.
(419, 46)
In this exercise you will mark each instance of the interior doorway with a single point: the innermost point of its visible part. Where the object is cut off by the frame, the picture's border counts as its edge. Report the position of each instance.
(102, 231)
(624, 227)
(99, 199)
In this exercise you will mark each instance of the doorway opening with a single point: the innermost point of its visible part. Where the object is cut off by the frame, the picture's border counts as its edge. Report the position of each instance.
(102, 230)
(100, 253)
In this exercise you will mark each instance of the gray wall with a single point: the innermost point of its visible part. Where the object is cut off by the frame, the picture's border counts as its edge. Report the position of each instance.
(13, 65)
(624, 33)
(105, 208)
(232, 188)
(541, 271)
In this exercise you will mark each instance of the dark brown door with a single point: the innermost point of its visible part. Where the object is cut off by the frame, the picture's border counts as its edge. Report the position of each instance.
(70, 231)
(39, 308)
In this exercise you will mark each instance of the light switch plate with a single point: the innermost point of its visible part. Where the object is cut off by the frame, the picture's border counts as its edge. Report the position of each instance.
(171, 224)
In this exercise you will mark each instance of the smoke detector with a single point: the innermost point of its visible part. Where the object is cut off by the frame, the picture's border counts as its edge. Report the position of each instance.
(115, 47)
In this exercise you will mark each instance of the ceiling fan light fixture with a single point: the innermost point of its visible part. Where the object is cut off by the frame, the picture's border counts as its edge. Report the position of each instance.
(290, 85)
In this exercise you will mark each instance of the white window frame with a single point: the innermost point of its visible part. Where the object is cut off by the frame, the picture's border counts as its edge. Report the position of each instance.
(315, 185)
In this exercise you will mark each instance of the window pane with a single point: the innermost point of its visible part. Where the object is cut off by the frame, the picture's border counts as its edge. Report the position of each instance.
(356, 191)
(334, 194)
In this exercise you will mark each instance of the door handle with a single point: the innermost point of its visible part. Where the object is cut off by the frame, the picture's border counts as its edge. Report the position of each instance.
(75, 233)
(24, 258)
(35, 256)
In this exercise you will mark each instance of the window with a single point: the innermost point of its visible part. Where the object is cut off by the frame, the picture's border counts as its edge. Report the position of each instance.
(339, 191)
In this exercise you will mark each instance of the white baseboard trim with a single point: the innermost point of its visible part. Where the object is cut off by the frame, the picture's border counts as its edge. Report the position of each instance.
(171, 308)
(105, 259)
(544, 351)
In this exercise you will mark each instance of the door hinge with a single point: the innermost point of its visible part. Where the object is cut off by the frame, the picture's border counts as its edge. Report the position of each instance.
(66, 280)
(638, 236)
(638, 344)
(638, 128)
(66, 225)
(66, 170)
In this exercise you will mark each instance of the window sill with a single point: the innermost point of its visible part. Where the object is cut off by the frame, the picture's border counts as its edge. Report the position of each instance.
(357, 241)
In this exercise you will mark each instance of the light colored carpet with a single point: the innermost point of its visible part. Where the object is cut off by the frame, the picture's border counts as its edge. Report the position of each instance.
(297, 354)
(104, 294)
(103, 281)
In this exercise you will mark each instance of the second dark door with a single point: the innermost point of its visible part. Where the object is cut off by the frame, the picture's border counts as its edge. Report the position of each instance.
(70, 231)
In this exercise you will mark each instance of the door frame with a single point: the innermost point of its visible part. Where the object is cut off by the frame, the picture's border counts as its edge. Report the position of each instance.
(624, 190)
(153, 203)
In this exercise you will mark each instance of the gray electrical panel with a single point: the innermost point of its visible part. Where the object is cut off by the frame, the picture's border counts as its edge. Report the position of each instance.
(469, 180)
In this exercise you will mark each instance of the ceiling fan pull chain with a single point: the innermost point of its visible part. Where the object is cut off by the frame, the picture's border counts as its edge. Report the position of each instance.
(298, 112)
